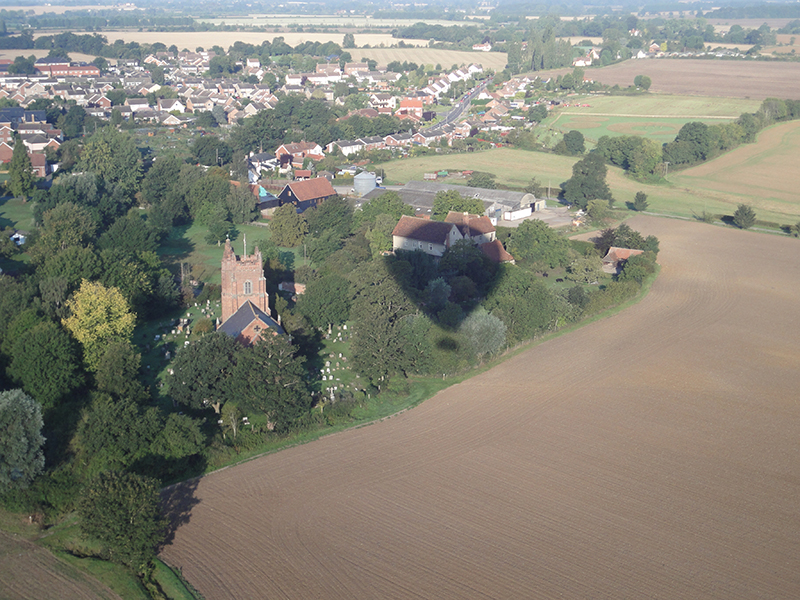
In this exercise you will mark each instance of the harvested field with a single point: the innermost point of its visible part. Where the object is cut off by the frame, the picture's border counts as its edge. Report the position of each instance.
(769, 166)
(12, 54)
(28, 571)
(729, 78)
(738, 79)
(653, 454)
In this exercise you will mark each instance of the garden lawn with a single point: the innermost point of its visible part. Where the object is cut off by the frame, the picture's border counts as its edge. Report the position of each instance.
(16, 213)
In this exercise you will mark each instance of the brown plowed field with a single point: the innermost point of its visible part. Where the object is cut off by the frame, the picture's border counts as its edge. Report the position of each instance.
(726, 78)
(654, 454)
(29, 572)
(729, 78)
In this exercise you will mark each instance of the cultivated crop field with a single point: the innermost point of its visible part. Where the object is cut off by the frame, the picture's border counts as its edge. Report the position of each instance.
(28, 571)
(738, 79)
(651, 454)
(768, 170)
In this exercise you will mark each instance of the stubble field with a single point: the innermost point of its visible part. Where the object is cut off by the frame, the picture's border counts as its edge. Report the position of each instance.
(737, 79)
(652, 454)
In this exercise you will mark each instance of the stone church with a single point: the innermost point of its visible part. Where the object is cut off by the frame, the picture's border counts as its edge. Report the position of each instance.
(246, 315)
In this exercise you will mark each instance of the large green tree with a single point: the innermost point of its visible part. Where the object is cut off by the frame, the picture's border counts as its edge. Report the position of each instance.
(269, 378)
(744, 217)
(46, 363)
(539, 243)
(378, 309)
(21, 440)
(201, 372)
(522, 302)
(326, 301)
(287, 226)
(113, 155)
(452, 200)
(20, 171)
(121, 510)
(588, 181)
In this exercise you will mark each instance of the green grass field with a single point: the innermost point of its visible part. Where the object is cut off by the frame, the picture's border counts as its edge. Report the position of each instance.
(513, 168)
(741, 176)
(16, 213)
(659, 117)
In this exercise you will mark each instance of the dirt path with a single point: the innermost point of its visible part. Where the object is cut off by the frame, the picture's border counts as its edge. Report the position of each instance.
(651, 455)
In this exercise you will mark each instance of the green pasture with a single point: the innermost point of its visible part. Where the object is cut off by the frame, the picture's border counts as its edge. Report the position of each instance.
(661, 105)
(514, 168)
(593, 127)
(685, 194)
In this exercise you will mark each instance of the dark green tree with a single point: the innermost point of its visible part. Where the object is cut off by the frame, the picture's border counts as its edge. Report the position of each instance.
(21, 440)
(201, 372)
(379, 305)
(121, 510)
(640, 201)
(326, 301)
(588, 181)
(522, 302)
(744, 217)
(46, 363)
(642, 81)
(20, 171)
(537, 113)
(118, 373)
(287, 226)
(539, 243)
(113, 156)
(452, 200)
(210, 150)
(482, 180)
(388, 203)
(270, 378)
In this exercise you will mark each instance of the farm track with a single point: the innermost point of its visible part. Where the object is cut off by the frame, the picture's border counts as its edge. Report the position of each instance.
(651, 454)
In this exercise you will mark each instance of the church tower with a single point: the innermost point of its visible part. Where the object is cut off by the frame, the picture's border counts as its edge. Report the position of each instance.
(242, 280)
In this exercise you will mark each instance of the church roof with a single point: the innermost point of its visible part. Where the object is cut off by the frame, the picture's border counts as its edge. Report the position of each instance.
(247, 313)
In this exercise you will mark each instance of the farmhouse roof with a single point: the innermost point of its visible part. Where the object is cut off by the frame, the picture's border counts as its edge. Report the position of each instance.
(310, 189)
(495, 251)
(424, 230)
(475, 225)
(615, 254)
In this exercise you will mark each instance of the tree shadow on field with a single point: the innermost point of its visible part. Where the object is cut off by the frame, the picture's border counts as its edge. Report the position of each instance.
(177, 502)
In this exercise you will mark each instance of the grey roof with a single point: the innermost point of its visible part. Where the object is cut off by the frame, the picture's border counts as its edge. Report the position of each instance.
(246, 314)
(420, 195)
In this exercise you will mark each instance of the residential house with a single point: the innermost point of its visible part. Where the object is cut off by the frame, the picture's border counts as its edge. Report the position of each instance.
(431, 237)
(307, 194)
(298, 152)
(476, 228)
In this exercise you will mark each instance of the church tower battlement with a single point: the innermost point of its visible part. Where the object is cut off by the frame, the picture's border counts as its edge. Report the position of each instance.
(242, 280)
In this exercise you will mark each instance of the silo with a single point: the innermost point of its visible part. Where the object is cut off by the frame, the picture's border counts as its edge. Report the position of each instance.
(364, 183)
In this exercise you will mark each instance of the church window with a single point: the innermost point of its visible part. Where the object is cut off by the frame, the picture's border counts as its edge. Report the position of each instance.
(248, 287)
